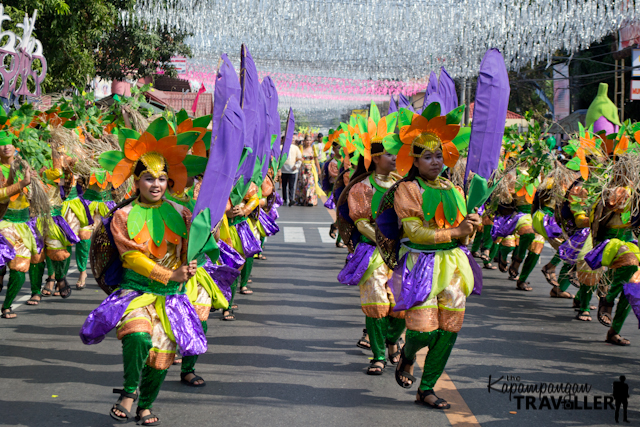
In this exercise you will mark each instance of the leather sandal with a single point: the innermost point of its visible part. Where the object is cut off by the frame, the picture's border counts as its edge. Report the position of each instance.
(65, 289)
(550, 277)
(143, 420)
(401, 372)
(121, 408)
(394, 355)
(422, 395)
(611, 339)
(374, 369)
(604, 312)
(557, 293)
(523, 286)
(514, 269)
(364, 342)
(192, 381)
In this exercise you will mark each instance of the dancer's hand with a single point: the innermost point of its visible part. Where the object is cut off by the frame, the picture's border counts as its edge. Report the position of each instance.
(467, 226)
(27, 178)
(181, 274)
(192, 268)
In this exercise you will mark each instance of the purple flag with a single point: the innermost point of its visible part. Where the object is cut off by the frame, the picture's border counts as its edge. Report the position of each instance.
(288, 137)
(489, 115)
(250, 104)
(224, 158)
(227, 84)
(403, 102)
(270, 92)
(447, 91)
(392, 106)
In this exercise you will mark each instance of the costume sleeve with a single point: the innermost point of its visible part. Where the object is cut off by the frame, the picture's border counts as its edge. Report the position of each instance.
(133, 254)
(359, 200)
(253, 203)
(53, 174)
(333, 169)
(408, 206)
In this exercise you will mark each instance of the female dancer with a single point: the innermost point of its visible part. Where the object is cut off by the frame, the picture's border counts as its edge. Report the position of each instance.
(306, 192)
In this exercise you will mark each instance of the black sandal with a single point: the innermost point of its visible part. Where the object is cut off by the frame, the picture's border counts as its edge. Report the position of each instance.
(620, 341)
(435, 405)
(396, 354)
(6, 312)
(33, 301)
(489, 266)
(604, 309)
(514, 268)
(374, 369)
(245, 290)
(332, 230)
(49, 290)
(228, 317)
(523, 286)
(401, 372)
(550, 277)
(121, 408)
(503, 265)
(191, 382)
(65, 289)
(584, 316)
(142, 420)
(364, 342)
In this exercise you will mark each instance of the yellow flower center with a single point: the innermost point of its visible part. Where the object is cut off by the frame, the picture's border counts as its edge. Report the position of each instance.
(427, 140)
(155, 164)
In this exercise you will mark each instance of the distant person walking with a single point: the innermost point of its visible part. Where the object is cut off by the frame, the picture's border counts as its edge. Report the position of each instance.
(621, 396)
(289, 173)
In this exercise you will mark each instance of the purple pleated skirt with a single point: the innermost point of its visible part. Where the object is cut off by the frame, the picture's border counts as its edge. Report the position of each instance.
(66, 229)
(32, 223)
(594, 257)
(632, 292)
(504, 226)
(330, 203)
(7, 253)
(570, 248)
(250, 243)
(551, 227)
(229, 256)
(357, 264)
(268, 223)
(184, 321)
(223, 275)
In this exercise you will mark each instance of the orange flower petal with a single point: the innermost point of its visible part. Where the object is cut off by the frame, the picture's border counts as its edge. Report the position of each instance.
(521, 192)
(199, 149)
(418, 125)
(382, 127)
(178, 173)
(170, 236)
(622, 146)
(404, 161)
(367, 158)
(158, 251)
(165, 144)
(371, 127)
(143, 236)
(450, 154)
(134, 149)
(439, 217)
(122, 172)
(185, 126)
(175, 155)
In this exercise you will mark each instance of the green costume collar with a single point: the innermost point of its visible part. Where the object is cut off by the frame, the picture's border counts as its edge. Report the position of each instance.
(446, 200)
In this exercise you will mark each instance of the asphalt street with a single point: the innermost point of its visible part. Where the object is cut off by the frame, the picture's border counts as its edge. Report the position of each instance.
(290, 357)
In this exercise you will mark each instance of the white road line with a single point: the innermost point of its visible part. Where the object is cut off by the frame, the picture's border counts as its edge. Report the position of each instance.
(324, 235)
(294, 235)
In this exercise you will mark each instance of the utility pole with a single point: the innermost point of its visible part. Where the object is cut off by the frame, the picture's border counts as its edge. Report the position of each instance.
(463, 96)
(467, 101)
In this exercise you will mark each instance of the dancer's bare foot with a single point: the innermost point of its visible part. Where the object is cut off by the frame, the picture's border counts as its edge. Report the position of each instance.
(80, 284)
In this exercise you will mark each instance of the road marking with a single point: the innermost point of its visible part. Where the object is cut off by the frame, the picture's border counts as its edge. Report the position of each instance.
(459, 414)
(294, 235)
(324, 235)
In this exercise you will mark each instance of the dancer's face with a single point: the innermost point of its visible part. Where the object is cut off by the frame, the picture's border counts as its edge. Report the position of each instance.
(385, 163)
(430, 164)
(151, 188)
(7, 151)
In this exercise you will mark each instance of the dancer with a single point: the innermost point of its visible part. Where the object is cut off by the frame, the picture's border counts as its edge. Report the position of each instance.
(150, 310)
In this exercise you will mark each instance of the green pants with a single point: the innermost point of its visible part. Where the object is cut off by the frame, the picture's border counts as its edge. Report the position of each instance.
(82, 254)
(246, 272)
(234, 288)
(563, 277)
(59, 268)
(555, 260)
(135, 352)
(16, 280)
(483, 240)
(440, 344)
(383, 331)
(36, 271)
(189, 362)
(621, 277)
(583, 297)
(493, 252)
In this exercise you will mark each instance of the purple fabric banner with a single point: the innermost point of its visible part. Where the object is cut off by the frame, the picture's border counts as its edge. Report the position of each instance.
(229, 256)
(411, 288)
(356, 265)
(570, 248)
(250, 243)
(185, 325)
(106, 316)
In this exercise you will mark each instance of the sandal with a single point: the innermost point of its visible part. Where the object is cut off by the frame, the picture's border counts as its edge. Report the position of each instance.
(81, 284)
(234, 307)
(557, 293)
(47, 291)
(332, 230)
(585, 316)
(422, 395)
(484, 255)
(191, 382)
(6, 312)
(143, 420)
(33, 301)
(119, 407)
(604, 311)
(550, 277)
(489, 266)
(523, 286)
(393, 358)
(401, 372)
(374, 369)
(514, 269)
(503, 265)
(611, 339)
(340, 245)
(65, 289)
(228, 317)
(364, 342)
(475, 254)
(245, 290)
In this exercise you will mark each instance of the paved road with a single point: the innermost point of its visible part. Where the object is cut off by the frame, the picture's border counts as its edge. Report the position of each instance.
(290, 358)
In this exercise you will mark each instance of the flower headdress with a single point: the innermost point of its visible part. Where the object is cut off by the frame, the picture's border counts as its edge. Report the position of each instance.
(159, 148)
(186, 124)
(374, 130)
(587, 144)
(427, 131)
(331, 138)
